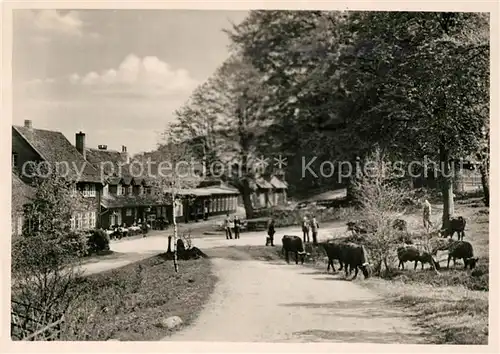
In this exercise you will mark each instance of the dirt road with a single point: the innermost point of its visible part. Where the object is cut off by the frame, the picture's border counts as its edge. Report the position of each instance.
(133, 250)
(257, 301)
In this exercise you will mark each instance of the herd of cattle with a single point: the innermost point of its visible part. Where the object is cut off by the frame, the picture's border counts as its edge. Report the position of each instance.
(352, 254)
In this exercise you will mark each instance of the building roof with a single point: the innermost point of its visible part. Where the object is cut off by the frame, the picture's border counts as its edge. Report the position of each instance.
(198, 192)
(263, 184)
(219, 190)
(278, 183)
(107, 160)
(113, 180)
(53, 147)
(22, 193)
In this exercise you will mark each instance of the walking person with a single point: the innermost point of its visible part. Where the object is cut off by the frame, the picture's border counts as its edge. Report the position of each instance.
(305, 229)
(237, 224)
(227, 226)
(314, 229)
(270, 232)
(426, 215)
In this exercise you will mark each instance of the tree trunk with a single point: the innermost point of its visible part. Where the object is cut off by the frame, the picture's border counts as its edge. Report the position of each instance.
(352, 179)
(174, 222)
(169, 249)
(246, 194)
(446, 186)
(485, 183)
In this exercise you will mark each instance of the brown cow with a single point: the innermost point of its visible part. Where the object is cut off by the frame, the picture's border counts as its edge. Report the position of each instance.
(293, 244)
(354, 256)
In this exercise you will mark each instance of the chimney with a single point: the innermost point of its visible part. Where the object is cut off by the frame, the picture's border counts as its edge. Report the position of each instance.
(125, 156)
(28, 124)
(102, 147)
(80, 143)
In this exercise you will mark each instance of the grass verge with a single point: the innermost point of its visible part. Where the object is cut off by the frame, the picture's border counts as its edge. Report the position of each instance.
(128, 303)
(453, 314)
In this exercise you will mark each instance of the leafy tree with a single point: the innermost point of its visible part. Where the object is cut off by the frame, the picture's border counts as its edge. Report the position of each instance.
(46, 257)
(441, 116)
(233, 95)
(354, 80)
(176, 173)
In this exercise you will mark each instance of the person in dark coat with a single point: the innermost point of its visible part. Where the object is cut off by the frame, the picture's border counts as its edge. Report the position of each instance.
(270, 232)
(227, 227)
(305, 229)
(237, 226)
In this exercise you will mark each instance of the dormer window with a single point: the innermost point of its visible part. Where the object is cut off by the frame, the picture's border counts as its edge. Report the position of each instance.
(120, 190)
(14, 159)
(89, 190)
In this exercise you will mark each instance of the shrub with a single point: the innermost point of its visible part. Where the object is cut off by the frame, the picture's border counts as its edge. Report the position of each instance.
(294, 217)
(98, 241)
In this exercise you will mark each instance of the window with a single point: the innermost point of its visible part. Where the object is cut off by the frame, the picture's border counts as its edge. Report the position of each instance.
(128, 212)
(131, 190)
(119, 190)
(105, 190)
(89, 190)
(92, 219)
(79, 225)
(14, 159)
(86, 220)
(73, 222)
(17, 225)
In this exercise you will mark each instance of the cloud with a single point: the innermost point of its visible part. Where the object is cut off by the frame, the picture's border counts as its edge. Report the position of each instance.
(52, 21)
(147, 77)
(42, 25)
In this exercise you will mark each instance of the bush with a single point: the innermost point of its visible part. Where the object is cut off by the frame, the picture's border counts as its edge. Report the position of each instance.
(98, 241)
(284, 218)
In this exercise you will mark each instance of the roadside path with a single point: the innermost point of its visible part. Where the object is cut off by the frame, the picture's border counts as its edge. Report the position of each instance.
(257, 301)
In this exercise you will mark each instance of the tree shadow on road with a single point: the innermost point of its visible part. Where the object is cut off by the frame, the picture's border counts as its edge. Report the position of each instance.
(360, 336)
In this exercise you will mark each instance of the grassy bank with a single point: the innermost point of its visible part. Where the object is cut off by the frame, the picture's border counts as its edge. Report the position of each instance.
(128, 303)
(452, 314)
(451, 306)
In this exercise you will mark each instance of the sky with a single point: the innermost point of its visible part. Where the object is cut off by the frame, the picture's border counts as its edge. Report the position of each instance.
(116, 75)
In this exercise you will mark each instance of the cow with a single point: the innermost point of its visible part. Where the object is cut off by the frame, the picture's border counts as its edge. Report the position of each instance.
(400, 225)
(332, 250)
(412, 254)
(293, 244)
(462, 250)
(354, 256)
(456, 225)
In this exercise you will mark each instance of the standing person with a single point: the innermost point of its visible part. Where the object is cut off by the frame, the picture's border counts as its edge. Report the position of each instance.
(314, 229)
(227, 226)
(426, 211)
(305, 229)
(270, 232)
(237, 224)
(205, 212)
